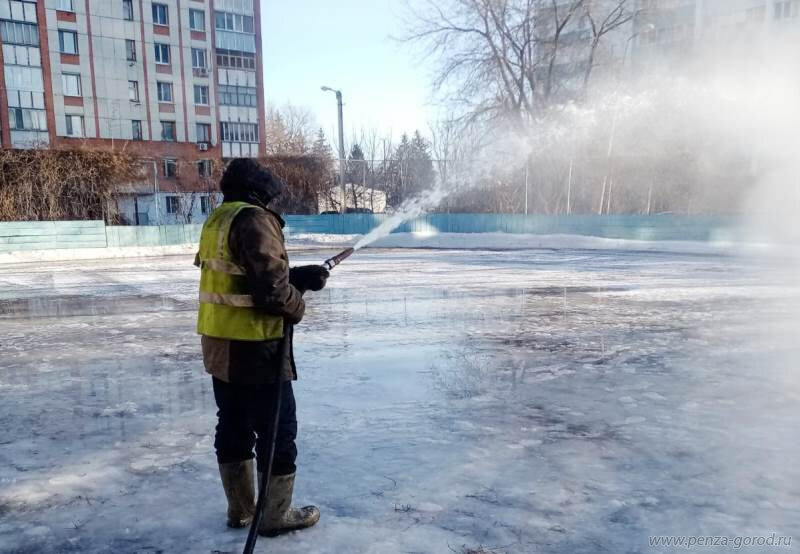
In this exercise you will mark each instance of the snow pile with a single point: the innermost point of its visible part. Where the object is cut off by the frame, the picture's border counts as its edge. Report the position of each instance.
(320, 240)
(66, 254)
(509, 241)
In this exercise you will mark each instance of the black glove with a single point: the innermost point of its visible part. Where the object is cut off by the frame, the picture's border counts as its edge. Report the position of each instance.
(308, 277)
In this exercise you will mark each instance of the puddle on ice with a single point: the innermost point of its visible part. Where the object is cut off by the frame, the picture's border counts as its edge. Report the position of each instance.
(78, 305)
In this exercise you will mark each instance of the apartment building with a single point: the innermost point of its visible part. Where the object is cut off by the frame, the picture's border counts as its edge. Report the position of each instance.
(674, 32)
(176, 82)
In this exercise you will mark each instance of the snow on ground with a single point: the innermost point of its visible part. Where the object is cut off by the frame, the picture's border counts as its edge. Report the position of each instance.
(558, 401)
(511, 241)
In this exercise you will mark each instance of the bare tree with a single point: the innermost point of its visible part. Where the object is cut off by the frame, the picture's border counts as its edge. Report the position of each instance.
(370, 145)
(290, 130)
(456, 148)
(555, 16)
(50, 185)
(604, 17)
(186, 205)
(496, 58)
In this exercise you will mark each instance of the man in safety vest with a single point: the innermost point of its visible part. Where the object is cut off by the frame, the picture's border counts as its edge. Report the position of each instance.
(249, 302)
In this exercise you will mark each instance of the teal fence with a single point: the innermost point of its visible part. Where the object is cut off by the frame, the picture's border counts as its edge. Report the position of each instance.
(640, 227)
(45, 235)
(163, 235)
(54, 235)
(49, 235)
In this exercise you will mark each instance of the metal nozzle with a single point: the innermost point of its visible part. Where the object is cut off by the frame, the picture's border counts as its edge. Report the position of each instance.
(338, 258)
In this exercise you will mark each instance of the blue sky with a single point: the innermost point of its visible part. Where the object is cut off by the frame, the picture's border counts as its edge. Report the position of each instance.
(345, 44)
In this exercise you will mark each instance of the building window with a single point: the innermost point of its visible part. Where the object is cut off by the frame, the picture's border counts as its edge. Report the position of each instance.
(168, 131)
(160, 14)
(74, 125)
(232, 95)
(235, 60)
(27, 119)
(170, 167)
(127, 10)
(130, 50)
(203, 199)
(71, 84)
(67, 42)
(755, 15)
(203, 132)
(136, 129)
(239, 132)
(201, 95)
(13, 32)
(197, 20)
(65, 6)
(785, 9)
(164, 92)
(173, 202)
(15, 119)
(224, 21)
(199, 60)
(162, 53)
(133, 91)
(204, 169)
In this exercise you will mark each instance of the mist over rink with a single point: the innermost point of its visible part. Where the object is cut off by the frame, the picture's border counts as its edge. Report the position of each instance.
(524, 401)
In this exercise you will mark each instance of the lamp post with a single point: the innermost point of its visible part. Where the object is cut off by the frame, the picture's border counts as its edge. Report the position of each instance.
(341, 142)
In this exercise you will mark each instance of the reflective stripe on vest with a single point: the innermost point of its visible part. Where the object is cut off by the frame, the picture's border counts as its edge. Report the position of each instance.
(238, 300)
(223, 267)
(226, 305)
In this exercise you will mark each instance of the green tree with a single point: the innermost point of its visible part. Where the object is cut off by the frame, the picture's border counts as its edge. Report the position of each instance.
(355, 176)
(321, 148)
(411, 170)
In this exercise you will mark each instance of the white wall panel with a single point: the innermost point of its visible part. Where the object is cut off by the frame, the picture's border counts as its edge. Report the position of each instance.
(235, 6)
(243, 42)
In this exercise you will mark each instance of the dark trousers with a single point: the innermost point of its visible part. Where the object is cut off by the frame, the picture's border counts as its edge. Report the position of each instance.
(244, 422)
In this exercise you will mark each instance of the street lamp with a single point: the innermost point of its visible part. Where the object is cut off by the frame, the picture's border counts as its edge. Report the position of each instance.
(341, 142)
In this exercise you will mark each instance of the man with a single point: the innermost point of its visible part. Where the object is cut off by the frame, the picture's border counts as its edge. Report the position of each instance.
(249, 302)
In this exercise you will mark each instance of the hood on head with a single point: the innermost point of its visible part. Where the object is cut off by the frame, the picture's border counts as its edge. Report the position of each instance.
(246, 180)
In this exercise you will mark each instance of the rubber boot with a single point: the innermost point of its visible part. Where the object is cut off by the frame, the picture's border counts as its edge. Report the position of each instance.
(237, 480)
(279, 517)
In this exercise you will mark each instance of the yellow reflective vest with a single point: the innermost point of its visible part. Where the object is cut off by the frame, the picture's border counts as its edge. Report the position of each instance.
(226, 309)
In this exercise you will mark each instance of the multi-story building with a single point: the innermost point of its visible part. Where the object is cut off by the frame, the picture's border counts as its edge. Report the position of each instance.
(674, 33)
(176, 82)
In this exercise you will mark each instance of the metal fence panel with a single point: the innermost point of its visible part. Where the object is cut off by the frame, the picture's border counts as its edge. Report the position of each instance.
(49, 235)
(658, 227)
(40, 235)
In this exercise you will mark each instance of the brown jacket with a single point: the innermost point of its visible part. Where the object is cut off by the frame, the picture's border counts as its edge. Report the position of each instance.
(257, 244)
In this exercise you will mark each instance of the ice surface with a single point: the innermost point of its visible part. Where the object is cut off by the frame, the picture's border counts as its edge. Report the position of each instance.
(559, 401)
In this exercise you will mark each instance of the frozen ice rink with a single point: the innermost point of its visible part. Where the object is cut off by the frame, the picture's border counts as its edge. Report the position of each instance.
(556, 401)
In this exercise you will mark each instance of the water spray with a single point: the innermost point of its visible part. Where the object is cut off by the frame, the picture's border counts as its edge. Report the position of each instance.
(410, 209)
(330, 263)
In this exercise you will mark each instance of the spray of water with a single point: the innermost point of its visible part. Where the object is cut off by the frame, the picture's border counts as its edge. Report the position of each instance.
(408, 210)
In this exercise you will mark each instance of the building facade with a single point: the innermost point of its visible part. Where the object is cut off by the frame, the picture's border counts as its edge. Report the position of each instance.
(178, 83)
(673, 33)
